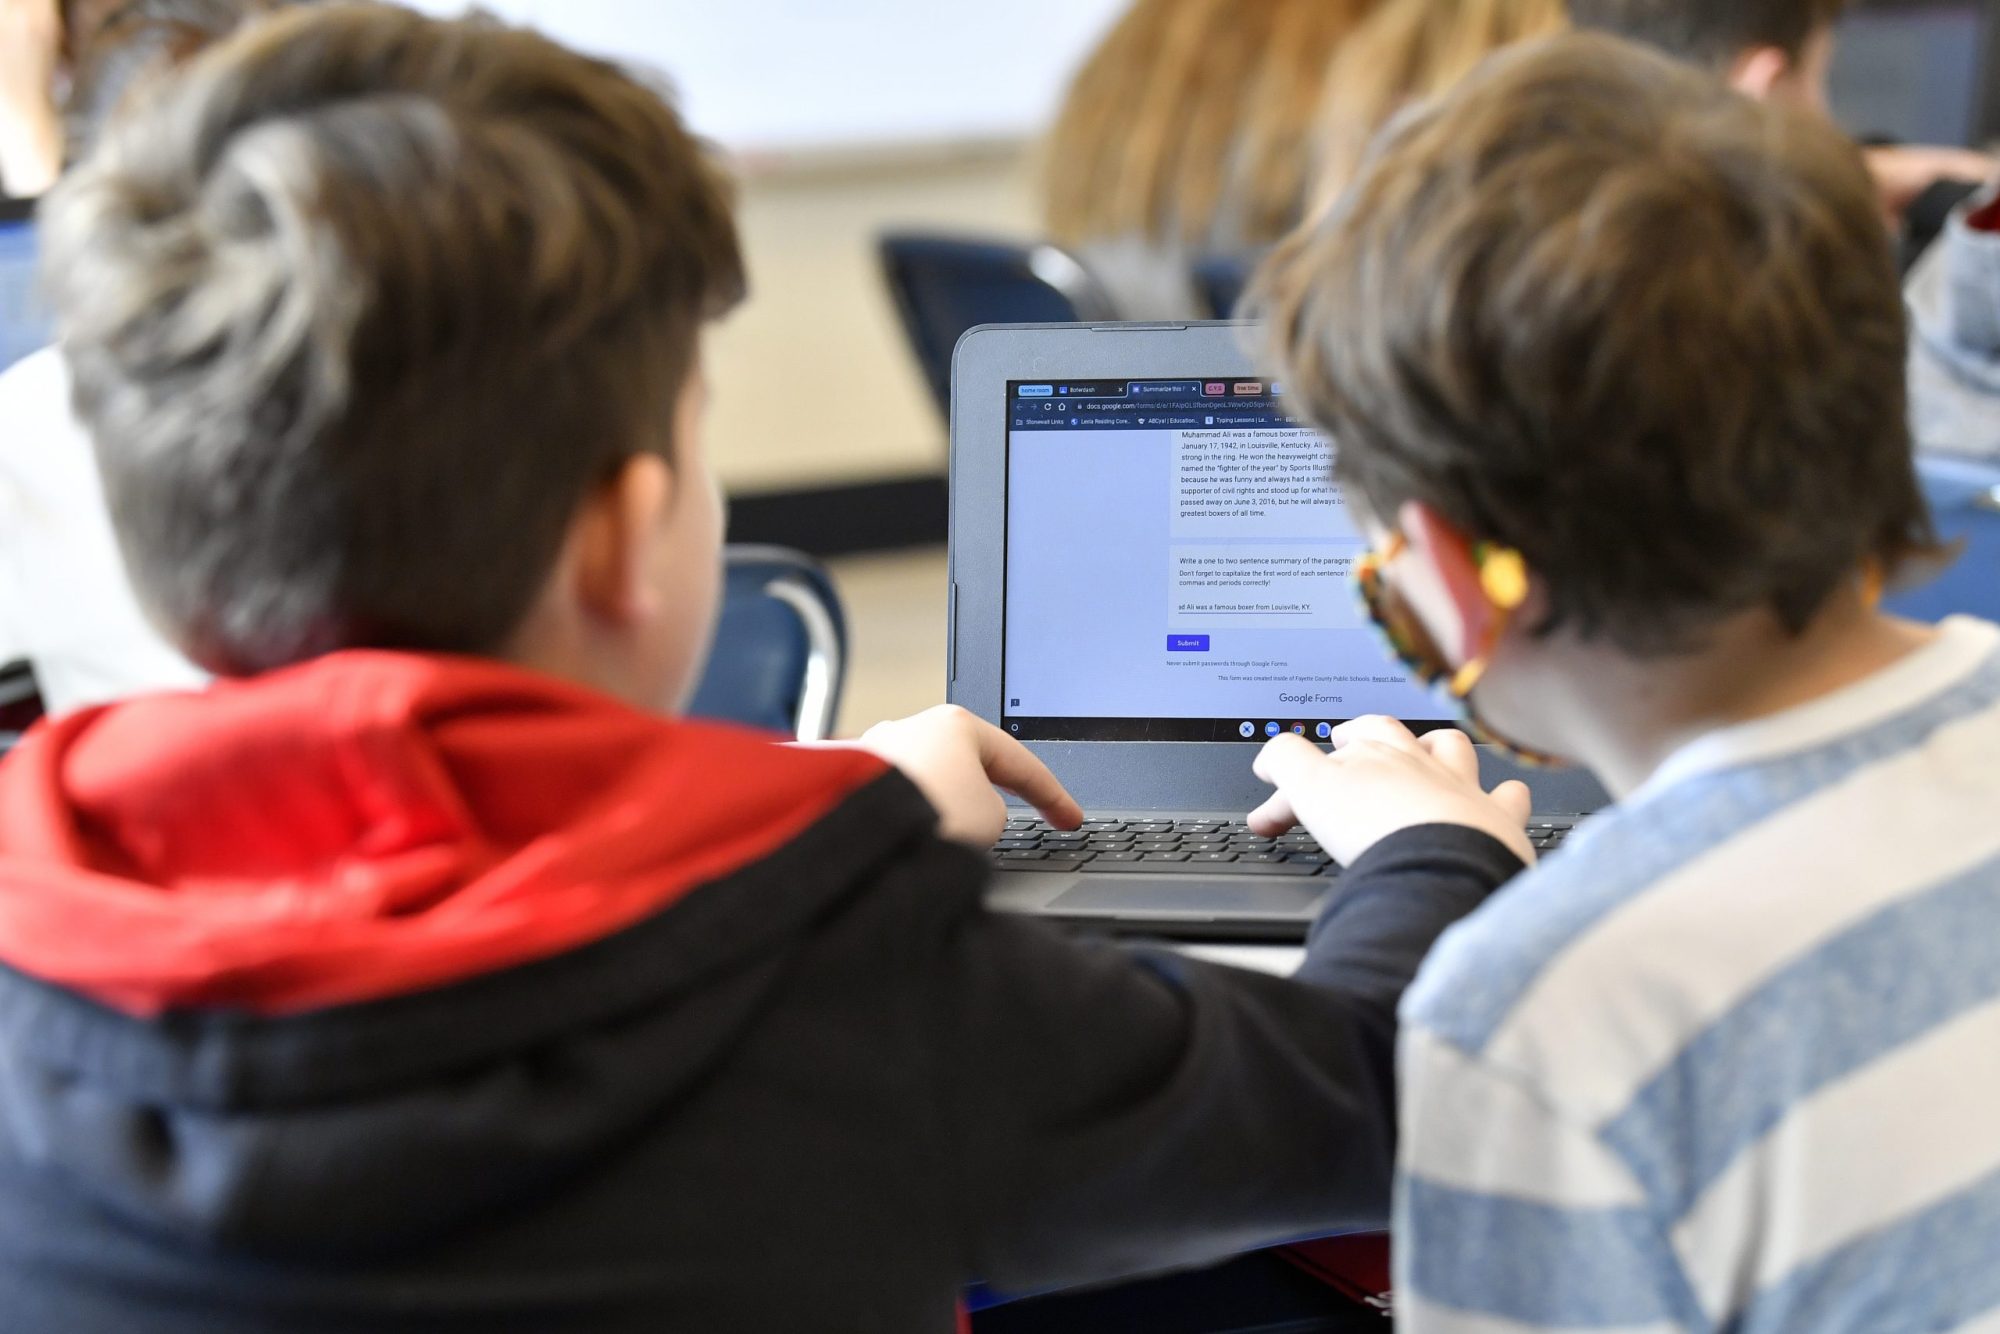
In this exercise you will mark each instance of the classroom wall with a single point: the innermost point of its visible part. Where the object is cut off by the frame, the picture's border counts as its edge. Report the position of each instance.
(849, 119)
(814, 75)
(812, 381)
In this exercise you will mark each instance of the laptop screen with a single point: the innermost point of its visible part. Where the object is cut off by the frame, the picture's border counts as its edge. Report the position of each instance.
(1178, 568)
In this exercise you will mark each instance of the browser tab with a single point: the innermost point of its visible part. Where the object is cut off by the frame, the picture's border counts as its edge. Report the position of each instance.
(1037, 391)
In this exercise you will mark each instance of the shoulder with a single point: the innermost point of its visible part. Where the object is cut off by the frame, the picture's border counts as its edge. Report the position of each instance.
(1734, 903)
(1756, 829)
(1615, 943)
(1485, 970)
(1578, 983)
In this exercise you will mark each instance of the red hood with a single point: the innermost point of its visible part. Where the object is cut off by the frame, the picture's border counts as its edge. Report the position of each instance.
(370, 824)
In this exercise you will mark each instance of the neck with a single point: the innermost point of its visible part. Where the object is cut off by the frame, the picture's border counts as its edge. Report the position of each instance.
(1624, 716)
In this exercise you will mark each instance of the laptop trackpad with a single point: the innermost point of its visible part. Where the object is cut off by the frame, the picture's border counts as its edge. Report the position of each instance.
(1132, 896)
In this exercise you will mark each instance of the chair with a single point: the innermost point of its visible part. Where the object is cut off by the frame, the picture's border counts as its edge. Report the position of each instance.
(1964, 495)
(780, 653)
(20, 702)
(944, 285)
(24, 322)
(1221, 279)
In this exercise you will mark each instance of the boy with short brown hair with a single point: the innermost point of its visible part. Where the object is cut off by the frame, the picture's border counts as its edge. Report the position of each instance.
(1614, 359)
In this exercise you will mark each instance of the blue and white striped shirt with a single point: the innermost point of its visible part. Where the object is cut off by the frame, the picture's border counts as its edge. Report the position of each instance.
(1732, 1060)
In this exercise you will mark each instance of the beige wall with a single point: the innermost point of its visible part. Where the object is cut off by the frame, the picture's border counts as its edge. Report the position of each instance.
(812, 380)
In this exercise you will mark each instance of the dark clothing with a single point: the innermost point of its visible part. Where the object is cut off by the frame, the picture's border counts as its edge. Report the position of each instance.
(1925, 219)
(819, 1090)
(1259, 1293)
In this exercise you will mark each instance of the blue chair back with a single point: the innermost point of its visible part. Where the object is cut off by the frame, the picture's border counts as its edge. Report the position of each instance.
(20, 702)
(25, 325)
(944, 285)
(1965, 501)
(780, 656)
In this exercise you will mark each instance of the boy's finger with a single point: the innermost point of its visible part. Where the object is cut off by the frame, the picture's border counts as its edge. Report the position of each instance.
(1012, 767)
(1374, 727)
(1454, 750)
(1514, 796)
(1287, 760)
(1274, 817)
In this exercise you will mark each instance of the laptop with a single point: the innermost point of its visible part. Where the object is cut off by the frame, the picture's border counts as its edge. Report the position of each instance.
(1149, 579)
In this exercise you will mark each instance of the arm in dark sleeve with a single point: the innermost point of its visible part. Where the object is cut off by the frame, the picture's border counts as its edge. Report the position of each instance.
(1925, 219)
(1106, 1112)
(1393, 904)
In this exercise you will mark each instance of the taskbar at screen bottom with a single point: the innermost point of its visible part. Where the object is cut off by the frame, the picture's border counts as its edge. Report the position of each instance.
(1240, 730)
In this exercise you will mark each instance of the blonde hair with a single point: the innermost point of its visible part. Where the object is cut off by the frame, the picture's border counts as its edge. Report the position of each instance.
(1189, 123)
(1410, 51)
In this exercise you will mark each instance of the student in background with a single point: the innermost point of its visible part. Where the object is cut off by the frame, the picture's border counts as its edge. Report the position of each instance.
(1615, 358)
(1784, 49)
(46, 46)
(422, 975)
(1186, 134)
(1408, 51)
(1954, 298)
(66, 603)
(31, 42)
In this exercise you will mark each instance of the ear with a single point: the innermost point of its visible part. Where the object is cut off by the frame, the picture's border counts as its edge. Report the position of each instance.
(1445, 588)
(1758, 72)
(613, 539)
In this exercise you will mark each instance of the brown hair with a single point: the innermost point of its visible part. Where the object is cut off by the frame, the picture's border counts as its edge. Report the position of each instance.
(360, 306)
(81, 18)
(1189, 123)
(1594, 306)
(1410, 50)
(114, 48)
(1711, 32)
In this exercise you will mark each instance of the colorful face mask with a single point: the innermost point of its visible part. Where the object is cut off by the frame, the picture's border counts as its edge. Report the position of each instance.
(1503, 578)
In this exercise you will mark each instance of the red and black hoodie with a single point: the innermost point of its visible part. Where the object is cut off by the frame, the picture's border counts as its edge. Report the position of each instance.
(409, 993)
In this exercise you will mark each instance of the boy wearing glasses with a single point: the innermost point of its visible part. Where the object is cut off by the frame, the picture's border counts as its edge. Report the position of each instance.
(1615, 362)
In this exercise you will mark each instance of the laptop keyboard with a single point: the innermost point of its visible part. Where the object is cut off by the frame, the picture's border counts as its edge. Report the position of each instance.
(1188, 847)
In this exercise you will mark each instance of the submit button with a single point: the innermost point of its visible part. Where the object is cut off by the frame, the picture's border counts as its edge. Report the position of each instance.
(1187, 643)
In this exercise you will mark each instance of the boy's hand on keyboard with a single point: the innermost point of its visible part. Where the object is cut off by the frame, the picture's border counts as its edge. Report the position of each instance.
(1379, 779)
(958, 760)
